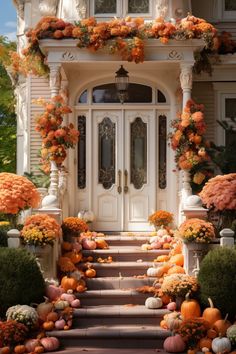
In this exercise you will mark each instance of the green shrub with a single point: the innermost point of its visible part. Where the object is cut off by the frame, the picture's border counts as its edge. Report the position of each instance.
(21, 281)
(4, 227)
(217, 279)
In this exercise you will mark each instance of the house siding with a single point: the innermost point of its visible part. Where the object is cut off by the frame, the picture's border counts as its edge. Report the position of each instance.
(203, 93)
(39, 89)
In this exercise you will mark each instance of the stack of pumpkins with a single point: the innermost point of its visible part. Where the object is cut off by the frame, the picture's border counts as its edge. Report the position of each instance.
(220, 335)
(162, 240)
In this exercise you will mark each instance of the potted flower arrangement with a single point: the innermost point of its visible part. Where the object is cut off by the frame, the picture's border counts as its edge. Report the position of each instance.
(160, 218)
(40, 230)
(219, 195)
(197, 231)
(17, 193)
(178, 285)
(72, 227)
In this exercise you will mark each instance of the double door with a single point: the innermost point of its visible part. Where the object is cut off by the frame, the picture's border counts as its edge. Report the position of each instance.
(124, 169)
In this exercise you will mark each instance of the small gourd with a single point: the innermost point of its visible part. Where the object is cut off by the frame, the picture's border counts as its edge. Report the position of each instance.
(19, 349)
(48, 325)
(50, 343)
(221, 344)
(59, 324)
(231, 334)
(153, 272)
(173, 320)
(61, 304)
(153, 303)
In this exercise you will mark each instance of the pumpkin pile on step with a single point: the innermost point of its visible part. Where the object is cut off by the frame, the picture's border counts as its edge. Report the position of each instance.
(162, 240)
(207, 332)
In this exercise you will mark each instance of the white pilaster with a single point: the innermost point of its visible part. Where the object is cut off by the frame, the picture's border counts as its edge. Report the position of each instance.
(186, 80)
(55, 78)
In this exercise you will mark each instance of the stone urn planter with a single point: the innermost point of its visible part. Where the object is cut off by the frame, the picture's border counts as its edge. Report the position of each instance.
(193, 254)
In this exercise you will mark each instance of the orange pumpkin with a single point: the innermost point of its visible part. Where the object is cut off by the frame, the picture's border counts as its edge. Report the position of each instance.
(5, 350)
(162, 258)
(102, 244)
(176, 250)
(48, 325)
(19, 349)
(80, 288)
(211, 314)
(68, 283)
(90, 273)
(205, 343)
(177, 259)
(39, 349)
(67, 246)
(221, 326)
(176, 270)
(52, 316)
(166, 246)
(165, 299)
(163, 324)
(166, 266)
(211, 333)
(190, 308)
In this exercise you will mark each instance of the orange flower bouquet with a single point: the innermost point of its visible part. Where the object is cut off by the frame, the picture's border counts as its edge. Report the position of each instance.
(17, 193)
(192, 330)
(160, 218)
(56, 138)
(219, 195)
(73, 226)
(40, 230)
(196, 230)
(178, 285)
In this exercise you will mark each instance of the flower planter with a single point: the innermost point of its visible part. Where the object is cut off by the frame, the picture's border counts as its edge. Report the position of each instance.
(44, 255)
(193, 254)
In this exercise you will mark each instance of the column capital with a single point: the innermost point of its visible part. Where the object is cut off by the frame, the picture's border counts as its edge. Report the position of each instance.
(55, 78)
(186, 75)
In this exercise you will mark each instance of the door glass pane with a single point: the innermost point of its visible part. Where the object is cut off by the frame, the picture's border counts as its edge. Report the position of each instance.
(105, 7)
(136, 94)
(83, 97)
(161, 97)
(230, 5)
(230, 108)
(138, 150)
(162, 152)
(106, 152)
(82, 152)
(138, 6)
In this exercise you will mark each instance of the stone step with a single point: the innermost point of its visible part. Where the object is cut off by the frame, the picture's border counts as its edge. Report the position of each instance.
(117, 314)
(115, 336)
(112, 297)
(109, 350)
(115, 269)
(117, 240)
(118, 283)
(125, 253)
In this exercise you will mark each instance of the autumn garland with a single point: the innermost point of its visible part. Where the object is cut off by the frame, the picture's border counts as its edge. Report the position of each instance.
(123, 36)
(56, 137)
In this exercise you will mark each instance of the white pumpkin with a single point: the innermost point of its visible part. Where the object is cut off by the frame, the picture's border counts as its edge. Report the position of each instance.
(162, 232)
(152, 272)
(221, 344)
(145, 247)
(154, 239)
(153, 303)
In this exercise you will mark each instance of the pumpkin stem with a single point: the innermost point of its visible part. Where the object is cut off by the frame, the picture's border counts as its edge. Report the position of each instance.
(226, 317)
(210, 302)
(187, 296)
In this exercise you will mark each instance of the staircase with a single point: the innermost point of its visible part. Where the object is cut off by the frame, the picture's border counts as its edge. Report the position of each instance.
(113, 314)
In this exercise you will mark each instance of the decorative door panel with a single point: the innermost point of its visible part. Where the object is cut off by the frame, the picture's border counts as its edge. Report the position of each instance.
(140, 167)
(107, 161)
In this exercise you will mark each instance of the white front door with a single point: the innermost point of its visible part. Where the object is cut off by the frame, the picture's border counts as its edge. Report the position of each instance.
(124, 169)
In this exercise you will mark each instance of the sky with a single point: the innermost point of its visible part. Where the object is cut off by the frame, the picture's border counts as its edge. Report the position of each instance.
(7, 19)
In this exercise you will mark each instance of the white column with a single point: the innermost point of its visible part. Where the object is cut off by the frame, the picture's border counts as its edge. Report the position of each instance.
(55, 78)
(186, 79)
(55, 86)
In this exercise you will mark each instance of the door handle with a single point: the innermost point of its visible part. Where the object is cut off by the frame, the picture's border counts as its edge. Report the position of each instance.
(119, 189)
(126, 188)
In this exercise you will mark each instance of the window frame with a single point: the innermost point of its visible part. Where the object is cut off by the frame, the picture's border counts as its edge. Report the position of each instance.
(122, 11)
(227, 15)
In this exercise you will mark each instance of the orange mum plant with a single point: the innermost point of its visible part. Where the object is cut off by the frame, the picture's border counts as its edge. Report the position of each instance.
(196, 230)
(192, 330)
(16, 193)
(160, 218)
(123, 36)
(74, 226)
(40, 230)
(56, 137)
(178, 285)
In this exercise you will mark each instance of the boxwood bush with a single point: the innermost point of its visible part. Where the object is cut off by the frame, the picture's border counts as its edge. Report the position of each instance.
(4, 227)
(21, 281)
(217, 279)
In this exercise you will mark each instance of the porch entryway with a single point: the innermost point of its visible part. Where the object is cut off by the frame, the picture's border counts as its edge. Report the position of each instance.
(124, 168)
